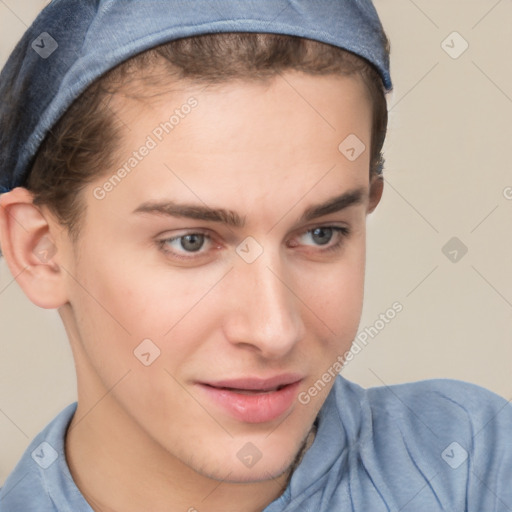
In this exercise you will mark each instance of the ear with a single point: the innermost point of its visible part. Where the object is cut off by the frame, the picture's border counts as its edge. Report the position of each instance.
(376, 190)
(30, 250)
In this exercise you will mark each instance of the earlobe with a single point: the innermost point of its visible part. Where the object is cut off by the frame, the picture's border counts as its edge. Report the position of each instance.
(29, 249)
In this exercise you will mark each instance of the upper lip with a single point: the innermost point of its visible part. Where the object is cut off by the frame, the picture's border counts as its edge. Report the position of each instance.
(256, 383)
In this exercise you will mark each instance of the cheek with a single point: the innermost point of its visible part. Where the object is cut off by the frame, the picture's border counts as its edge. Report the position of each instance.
(126, 301)
(335, 293)
(336, 301)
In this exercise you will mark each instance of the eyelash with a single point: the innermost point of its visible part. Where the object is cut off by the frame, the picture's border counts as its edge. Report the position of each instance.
(343, 233)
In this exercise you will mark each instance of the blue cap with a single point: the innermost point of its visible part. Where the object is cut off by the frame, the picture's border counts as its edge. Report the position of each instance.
(73, 42)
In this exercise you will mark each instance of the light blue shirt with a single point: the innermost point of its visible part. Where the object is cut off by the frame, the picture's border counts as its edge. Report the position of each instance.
(429, 446)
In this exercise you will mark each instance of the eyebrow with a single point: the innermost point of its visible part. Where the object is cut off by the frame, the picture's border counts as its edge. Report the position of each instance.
(233, 219)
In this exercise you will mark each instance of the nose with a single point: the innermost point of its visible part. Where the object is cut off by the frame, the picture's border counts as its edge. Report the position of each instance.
(264, 310)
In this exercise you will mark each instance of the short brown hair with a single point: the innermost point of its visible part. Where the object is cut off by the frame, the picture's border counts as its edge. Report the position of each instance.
(82, 145)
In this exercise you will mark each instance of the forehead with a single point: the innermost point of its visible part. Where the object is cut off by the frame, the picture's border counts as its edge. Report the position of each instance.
(243, 141)
(327, 105)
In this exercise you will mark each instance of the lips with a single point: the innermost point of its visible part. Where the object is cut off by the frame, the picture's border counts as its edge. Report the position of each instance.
(252, 391)
(253, 400)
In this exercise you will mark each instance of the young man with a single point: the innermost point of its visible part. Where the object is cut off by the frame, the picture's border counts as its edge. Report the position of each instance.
(196, 213)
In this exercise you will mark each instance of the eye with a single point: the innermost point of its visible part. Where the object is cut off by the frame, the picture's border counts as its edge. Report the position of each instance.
(192, 242)
(188, 243)
(323, 235)
(196, 244)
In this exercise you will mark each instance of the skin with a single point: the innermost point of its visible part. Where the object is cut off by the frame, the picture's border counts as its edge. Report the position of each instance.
(145, 437)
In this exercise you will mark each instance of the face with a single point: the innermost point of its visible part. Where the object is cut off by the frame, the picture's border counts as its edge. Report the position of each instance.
(220, 275)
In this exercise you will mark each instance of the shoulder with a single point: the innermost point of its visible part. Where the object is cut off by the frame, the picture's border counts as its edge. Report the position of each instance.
(438, 396)
(442, 408)
(452, 436)
(34, 485)
(443, 405)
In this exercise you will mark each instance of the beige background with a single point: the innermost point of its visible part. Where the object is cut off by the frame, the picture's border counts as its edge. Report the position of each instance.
(448, 166)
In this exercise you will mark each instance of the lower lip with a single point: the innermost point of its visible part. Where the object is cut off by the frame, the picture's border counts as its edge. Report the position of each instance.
(254, 408)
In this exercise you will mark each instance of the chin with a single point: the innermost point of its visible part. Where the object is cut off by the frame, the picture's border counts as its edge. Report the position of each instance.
(253, 461)
(260, 472)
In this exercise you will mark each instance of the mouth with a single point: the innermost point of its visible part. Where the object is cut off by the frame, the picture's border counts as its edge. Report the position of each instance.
(253, 400)
(250, 391)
